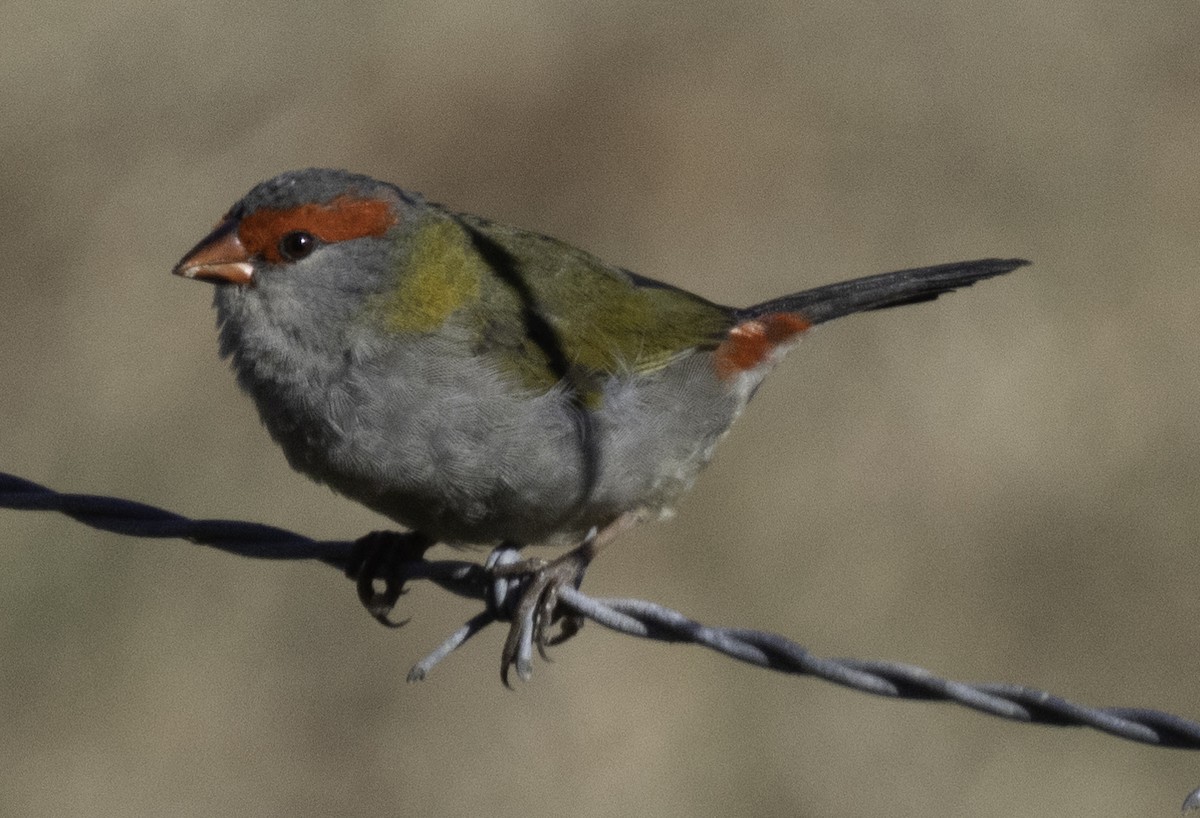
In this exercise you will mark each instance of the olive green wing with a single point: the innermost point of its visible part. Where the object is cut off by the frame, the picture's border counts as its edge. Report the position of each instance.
(569, 313)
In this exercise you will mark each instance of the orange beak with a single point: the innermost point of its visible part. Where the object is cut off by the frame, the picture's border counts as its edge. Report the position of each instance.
(219, 258)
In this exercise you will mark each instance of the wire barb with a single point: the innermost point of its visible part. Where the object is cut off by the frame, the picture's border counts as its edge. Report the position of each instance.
(635, 617)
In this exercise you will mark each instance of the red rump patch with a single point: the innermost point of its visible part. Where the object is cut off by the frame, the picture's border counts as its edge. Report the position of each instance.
(339, 219)
(750, 342)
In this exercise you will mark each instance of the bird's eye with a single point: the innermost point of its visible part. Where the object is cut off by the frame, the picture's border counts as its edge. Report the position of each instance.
(297, 245)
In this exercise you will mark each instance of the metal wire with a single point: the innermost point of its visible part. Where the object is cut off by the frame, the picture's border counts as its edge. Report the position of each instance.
(635, 617)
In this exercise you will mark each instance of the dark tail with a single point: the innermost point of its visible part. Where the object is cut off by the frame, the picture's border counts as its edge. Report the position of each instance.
(887, 290)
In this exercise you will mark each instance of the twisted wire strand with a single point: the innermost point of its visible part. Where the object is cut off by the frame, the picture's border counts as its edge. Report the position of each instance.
(635, 617)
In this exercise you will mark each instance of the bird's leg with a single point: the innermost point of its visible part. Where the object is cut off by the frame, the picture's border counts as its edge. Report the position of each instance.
(534, 612)
(375, 566)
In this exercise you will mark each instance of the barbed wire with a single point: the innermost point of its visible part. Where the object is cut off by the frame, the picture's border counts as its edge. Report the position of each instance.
(635, 617)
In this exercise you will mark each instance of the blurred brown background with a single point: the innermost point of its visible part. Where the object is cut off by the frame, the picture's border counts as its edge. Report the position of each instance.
(1002, 486)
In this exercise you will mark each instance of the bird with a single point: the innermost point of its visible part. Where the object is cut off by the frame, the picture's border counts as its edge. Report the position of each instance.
(483, 384)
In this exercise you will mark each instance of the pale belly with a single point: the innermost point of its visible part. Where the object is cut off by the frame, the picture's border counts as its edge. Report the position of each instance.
(460, 454)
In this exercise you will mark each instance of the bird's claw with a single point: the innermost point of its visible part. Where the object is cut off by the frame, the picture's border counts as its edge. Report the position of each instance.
(535, 613)
(376, 566)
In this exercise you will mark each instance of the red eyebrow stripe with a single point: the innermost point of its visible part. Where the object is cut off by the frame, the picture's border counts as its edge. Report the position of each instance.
(750, 342)
(339, 219)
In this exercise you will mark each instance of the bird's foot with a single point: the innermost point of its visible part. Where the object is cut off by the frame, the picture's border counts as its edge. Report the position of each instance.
(376, 566)
(535, 613)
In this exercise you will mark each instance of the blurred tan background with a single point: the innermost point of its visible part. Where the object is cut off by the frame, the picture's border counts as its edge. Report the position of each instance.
(1003, 486)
